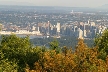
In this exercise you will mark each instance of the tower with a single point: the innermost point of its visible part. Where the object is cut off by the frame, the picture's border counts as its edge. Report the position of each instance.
(80, 34)
(88, 22)
(58, 27)
(48, 28)
(38, 28)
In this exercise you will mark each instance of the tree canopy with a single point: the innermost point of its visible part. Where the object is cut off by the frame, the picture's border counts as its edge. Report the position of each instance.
(102, 42)
(18, 55)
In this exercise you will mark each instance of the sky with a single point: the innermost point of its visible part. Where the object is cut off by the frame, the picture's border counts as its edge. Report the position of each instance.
(68, 3)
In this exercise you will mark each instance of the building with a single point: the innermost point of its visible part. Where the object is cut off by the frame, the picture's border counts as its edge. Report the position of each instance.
(0, 27)
(80, 34)
(58, 27)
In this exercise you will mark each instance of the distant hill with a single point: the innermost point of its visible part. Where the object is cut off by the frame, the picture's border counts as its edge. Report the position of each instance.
(45, 8)
(103, 7)
(13, 5)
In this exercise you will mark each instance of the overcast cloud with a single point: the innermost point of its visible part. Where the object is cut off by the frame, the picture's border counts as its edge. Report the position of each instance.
(70, 3)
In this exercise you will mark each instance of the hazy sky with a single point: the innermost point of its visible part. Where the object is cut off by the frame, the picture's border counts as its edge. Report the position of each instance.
(71, 3)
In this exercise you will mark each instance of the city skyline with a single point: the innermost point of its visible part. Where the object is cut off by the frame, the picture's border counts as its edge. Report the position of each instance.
(67, 3)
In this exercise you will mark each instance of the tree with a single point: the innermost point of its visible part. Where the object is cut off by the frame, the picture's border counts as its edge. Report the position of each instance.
(54, 45)
(19, 50)
(6, 65)
(86, 59)
(102, 42)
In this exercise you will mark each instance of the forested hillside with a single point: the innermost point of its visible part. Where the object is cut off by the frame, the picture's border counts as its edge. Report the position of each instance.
(63, 41)
(19, 55)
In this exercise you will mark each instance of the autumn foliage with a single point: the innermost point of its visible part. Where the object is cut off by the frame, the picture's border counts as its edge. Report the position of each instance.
(18, 55)
(83, 59)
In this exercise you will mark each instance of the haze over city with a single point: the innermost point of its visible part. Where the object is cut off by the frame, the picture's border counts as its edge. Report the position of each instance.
(68, 3)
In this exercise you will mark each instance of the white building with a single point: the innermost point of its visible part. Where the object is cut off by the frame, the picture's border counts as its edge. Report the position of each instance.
(92, 24)
(33, 28)
(58, 27)
(80, 34)
(84, 33)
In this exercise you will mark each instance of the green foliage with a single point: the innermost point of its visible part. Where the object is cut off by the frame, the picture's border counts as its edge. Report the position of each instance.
(18, 55)
(63, 41)
(15, 48)
(54, 45)
(32, 56)
(15, 42)
(102, 42)
(18, 51)
(6, 65)
(84, 59)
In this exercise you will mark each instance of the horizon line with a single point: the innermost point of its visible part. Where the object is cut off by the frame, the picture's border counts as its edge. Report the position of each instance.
(47, 6)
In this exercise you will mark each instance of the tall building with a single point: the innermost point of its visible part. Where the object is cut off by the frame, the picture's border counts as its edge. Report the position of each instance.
(93, 33)
(80, 34)
(58, 27)
(86, 26)
(75, 28)
(54, 31)
(81, 26)
(48, 33)
(37, 29)
(86, 29)
(0, 27)
(84, 33)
